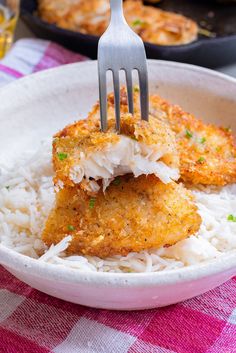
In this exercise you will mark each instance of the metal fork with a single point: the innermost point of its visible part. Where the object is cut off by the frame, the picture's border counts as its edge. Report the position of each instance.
(120, 48)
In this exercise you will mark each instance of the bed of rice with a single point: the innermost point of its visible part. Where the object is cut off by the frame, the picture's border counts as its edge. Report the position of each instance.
(27, 195)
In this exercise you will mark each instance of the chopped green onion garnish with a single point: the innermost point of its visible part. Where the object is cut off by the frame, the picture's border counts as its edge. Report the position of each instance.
(227, 129)
(62, 156)
(7, 187)
(70, 227)
(137, 22)
(203, 140)
(201, 160)
(92, 202)
(116, 181)
(231, 218)
(188, 134)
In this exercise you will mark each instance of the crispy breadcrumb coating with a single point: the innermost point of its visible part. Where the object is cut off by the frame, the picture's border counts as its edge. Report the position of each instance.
(133, 214)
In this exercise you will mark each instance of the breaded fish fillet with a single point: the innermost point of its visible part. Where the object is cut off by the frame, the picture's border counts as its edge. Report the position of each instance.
(159, 27)
(207, 152)
(86, 16)
(132, 215)
(92, 17)
(82, 154)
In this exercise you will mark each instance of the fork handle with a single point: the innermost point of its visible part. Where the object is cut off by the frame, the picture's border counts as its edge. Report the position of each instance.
(117, 11)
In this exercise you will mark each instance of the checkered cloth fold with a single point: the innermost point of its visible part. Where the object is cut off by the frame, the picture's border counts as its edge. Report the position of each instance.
(33, 322)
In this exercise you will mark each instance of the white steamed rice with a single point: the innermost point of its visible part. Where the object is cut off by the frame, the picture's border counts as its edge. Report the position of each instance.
(27, 195)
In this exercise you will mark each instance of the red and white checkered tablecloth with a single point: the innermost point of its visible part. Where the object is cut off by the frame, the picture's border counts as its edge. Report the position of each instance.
(33, 322)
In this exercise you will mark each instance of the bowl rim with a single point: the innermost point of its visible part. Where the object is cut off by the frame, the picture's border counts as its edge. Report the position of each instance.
(25, 264)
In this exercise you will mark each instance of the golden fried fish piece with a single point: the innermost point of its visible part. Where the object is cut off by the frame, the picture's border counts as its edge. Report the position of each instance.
(159, 27)
(207, 152)
(82, 154)
(133, 214)
(78, 15)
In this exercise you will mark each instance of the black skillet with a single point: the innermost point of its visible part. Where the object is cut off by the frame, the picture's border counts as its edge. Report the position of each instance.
(218, 18)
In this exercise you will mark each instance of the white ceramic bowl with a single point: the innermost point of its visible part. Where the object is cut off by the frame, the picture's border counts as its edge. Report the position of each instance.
(37, 106)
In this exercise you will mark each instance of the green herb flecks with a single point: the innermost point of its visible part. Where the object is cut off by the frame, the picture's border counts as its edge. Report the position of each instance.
(202, 140)
(117, 181)
(136, 88)
(188, 134)
(7, 187)
(201, 160)
(92, 202)
(70, 227)
(128, 270)
(231, 218)
(62, 156)
(138, 22)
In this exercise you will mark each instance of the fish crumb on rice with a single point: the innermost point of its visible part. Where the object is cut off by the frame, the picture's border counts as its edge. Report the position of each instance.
(27, 196)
